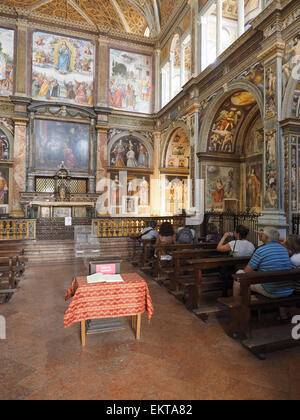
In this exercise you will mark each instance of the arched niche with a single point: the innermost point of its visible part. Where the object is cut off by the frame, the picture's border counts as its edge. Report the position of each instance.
(177, 150)
(6, 144)
(214, 116)
(291, 100)
(168, 135)
(136, 151)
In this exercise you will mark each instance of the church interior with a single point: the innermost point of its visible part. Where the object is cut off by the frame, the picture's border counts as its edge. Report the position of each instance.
(117, 118)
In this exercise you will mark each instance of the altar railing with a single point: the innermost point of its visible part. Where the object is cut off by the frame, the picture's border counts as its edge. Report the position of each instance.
(126, 227)
(17, 229)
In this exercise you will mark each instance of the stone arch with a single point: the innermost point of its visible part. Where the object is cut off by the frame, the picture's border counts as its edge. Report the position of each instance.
(168, 137)
(288, 99)
(213, 108)
(138, 136)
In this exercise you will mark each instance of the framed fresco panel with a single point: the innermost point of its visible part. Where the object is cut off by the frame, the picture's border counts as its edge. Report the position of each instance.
(4, 185)
(222, 182)
(62, 69)
(130, 81)
(6, 61)
(56, 141)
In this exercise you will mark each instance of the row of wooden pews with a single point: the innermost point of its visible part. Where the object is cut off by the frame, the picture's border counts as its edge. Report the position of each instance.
(198, 269)
(12, 268)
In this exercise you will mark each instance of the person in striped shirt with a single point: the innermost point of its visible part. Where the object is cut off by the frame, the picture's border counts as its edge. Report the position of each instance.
(269, 257)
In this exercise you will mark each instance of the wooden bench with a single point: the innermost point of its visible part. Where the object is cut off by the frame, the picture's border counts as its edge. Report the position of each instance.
(177, 277)
(11, 271)
(263, 340)
(159, 265)
(204, 279)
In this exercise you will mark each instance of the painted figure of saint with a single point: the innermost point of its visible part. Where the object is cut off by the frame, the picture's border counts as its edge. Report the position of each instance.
(3, 64)
(115, 191)
(69, 157)
(142, 157)
(64, 58)
(144, 192)
(119, 152)
(219, 192)
(253, 189)
(131, 160)
(3, 189)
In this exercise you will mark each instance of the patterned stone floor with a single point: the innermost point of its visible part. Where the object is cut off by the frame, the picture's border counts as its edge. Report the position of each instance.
(178, 357)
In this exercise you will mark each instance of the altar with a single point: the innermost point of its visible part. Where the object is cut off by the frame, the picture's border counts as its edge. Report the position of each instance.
(57, 209)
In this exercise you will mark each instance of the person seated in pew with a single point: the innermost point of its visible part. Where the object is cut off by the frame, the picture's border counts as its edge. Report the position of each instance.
(166, 237)
(240, 246)
(271, 256)
(186, 235)
(149, 232)
(213, 234)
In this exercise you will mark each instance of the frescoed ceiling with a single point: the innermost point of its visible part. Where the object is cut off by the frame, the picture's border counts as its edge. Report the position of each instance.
(131, 16)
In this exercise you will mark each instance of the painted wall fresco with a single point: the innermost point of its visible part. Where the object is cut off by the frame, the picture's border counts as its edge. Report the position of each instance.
(255, 75)
(296, 102)
(129, 152)
(4, 146)
(221, 182)
(176, 194)
(130, 81)
(255, 139)
(6, 61)
(291, 65)
(270, 91)
(254, 184)
(271, 195)
(62, 69)
(178, 151)
(4, 184)
(294, 173)
(130, 194)
(56, 141)
(224, 130)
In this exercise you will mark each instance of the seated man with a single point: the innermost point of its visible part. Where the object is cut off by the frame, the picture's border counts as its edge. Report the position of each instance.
(149, 232)
(269, 257)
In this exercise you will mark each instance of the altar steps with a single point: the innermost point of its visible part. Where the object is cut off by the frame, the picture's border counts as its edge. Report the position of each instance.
(59, 251)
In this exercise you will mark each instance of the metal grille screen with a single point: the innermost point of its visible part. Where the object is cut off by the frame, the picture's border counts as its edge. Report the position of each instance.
(47, 185)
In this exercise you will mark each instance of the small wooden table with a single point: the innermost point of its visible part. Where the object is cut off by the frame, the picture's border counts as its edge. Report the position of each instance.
(108, 300)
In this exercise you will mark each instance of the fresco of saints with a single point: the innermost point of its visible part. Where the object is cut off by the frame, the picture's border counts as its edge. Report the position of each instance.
(69, 158)
(119, 152)
(144, 192)
(3, 64)
(219, 192)
(115, 191)
(253, 189)
(131, 160)
(142, 157)
(64, 58)
(3, 189)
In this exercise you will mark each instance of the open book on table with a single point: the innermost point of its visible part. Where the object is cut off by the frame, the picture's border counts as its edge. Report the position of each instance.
(104, 278)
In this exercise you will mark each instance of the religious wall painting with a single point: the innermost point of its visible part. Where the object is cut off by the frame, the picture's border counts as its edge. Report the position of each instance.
(296, 102)
(176, 194)
(130, 81)
(255, 139)
(271, 195)
(178, 151)
(222, 182)
(4, 186)
(294, 173)
(6, 61)
(62, 69)
(5, 151)
(291, 62)
(56, 142)
(225, 127)
(254, 185)
(129, 152)
(270, 91)
(255, 75)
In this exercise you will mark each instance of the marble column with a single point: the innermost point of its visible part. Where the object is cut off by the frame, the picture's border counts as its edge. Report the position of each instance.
(219, 4)
(158, 93)
(195, 38)
(155, 179)
(19, 166)
(273, 199)
(101, 158)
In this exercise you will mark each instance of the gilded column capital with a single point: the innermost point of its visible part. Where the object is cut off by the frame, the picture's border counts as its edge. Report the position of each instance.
(23, 121)
(102, 128)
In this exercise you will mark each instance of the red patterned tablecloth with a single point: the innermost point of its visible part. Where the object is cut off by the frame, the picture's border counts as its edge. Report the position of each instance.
(107, 300)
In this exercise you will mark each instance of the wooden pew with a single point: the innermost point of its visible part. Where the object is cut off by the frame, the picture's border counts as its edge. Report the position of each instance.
(159, 265)
(262, 340)
(180, 257)
(11, 271)
(202, 279)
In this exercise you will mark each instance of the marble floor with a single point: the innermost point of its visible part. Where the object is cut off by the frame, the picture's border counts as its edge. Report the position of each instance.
(178, 356)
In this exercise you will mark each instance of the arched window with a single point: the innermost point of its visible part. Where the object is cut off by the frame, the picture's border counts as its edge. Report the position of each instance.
(175, 61)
